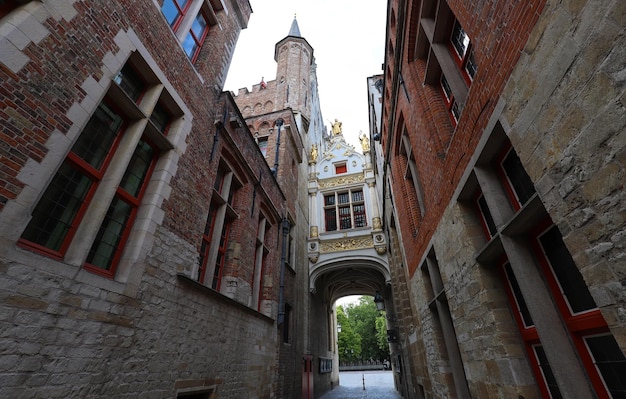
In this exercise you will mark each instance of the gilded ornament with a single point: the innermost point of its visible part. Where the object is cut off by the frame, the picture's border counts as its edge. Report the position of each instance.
(341, 180)
(346, 244)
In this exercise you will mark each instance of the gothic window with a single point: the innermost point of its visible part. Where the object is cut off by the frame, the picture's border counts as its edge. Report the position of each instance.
(410, 172)
(260, 256)
(215, 238)
(452, 71)
(68, 203)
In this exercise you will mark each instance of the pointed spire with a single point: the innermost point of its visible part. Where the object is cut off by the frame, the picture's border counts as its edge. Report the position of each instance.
(295, 30)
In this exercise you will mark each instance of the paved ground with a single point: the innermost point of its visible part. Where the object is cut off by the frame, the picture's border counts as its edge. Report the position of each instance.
(378, 385)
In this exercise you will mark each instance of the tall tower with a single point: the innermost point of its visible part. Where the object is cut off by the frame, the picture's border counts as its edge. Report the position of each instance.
(294, 56)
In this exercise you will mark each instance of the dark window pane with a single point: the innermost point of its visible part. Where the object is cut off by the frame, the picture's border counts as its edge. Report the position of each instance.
(96, 140)
(484, 210)
(460, 40)
(161, 118)
(456, 111)
(470, 66)
(519, 179)
(610, 362)
(359, 216)
(357, 196)
(331, 219)
(108, 239)
(519, 299)
(57, 209)
(345, 219)
(446, 88)
(329, 199)
(219, 180)
(343, 198)
(206, 242)
(130, 82)
(548, 376)
(137, 169)
(569, 278)
(221, 255)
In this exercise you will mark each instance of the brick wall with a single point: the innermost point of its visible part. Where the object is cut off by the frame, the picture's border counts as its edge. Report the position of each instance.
(547, 80)
(151, 331)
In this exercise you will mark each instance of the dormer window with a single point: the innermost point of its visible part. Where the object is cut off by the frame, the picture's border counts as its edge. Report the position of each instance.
(341, 168)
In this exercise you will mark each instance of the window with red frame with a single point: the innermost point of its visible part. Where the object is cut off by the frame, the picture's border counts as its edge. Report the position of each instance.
(196, 36)
(260, 256)
(448, 96)
(206, 243)
(221, 256)
(196, 27)
(600, 354)
(217, 228)
(463, 52)
(68, 199)
(113, 233)
(489, 226)
(61, 207)
(539, 362)
(174, 11)
(516, 181)
(345, 210)
(161, 118)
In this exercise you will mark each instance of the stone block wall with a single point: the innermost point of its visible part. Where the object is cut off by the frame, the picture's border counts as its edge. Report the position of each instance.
(550, 81)
(150, 331)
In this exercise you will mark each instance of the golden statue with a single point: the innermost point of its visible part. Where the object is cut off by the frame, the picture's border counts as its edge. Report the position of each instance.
(365, 142)
(314, 153)
(336, 127)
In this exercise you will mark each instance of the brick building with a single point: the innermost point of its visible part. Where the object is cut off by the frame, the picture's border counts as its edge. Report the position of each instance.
(144, 239)
(502, 134)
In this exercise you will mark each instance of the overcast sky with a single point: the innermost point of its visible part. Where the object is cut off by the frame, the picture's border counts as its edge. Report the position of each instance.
(347, 37)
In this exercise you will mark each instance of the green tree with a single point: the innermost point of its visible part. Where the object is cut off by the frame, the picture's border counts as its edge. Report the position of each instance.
(381, 334)
(362, 318)
(348, 340)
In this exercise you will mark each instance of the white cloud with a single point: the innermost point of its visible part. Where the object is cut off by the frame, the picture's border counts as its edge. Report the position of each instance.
(348, 38)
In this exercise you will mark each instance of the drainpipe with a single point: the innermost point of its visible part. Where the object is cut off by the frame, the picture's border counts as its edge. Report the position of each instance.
(283, 260)
(279, 123)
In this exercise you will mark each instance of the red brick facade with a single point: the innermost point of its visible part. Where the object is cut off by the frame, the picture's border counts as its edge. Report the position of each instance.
(145, 326)
(500, 129)
(441, 150)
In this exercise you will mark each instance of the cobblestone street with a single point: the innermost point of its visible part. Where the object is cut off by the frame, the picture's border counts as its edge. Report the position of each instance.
(378, 385)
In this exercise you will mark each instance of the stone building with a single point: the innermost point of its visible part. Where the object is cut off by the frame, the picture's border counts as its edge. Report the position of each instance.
(337, 237)
(144, 240)
(502, 134)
